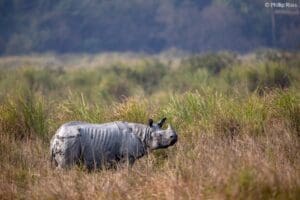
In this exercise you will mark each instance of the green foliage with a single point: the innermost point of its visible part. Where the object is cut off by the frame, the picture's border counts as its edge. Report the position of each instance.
(193, 108)
(24, 116)
(140, 26)
(258, 76)
(254, 114)
(288, 107)
(116, 86)
(77, 108)
(184, 80)
(148, 75)
(214, 63)
(42, 80)
(216, 93)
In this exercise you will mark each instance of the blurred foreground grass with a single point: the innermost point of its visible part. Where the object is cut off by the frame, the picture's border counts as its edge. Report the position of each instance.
(238, 120)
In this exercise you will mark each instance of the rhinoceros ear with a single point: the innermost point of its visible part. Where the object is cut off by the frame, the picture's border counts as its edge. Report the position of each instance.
(161, 122)
(150, 122)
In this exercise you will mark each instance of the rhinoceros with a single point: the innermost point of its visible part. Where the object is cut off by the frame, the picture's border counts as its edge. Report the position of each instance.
(107, 144)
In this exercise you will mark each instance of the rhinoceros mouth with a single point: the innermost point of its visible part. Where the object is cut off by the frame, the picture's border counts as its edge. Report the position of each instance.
(173, 142)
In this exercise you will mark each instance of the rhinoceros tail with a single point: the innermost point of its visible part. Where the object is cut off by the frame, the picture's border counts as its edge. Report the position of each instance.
(52, 160)
(52, 154)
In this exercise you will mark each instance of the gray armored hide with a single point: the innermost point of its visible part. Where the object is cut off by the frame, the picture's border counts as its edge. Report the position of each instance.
(104, 145)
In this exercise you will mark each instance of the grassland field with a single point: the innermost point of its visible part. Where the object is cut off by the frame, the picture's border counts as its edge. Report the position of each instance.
(237, 117)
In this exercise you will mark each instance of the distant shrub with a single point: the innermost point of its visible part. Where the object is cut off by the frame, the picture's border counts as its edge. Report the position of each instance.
(116, 87)
(146, 75)
(149, 75)
(258, 76)
(41, 79)
(182, 80)
(214, 63)
(267, 76)
(268, 55)
(273, 55)
(81, 78)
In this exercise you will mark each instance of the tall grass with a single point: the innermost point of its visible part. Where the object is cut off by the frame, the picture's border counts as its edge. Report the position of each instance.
(24, 116)
(235, 141)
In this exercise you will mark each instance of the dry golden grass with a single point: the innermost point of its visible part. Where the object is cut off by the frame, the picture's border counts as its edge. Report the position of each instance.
(198, 167)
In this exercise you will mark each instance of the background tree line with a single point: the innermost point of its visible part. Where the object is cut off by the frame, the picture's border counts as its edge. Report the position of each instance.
(138, 25)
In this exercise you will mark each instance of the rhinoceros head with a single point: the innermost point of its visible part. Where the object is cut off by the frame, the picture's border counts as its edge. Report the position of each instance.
(160, 138)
